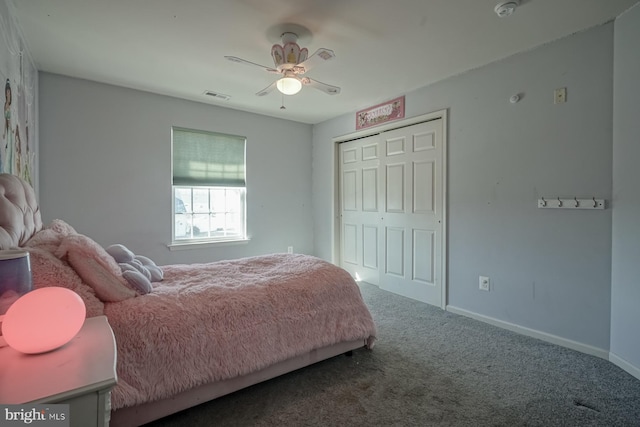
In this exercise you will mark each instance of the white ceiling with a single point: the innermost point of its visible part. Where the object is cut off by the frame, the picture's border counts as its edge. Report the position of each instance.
(384, 48)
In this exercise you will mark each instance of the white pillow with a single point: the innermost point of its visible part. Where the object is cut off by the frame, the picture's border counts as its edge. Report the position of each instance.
(138, 281)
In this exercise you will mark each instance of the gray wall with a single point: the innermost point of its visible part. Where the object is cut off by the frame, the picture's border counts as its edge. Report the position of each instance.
(105, 154)
(105, 165)
(625, 295)
(550, 269)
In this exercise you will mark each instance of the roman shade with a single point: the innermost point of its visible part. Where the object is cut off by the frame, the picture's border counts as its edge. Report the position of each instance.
(208, 159)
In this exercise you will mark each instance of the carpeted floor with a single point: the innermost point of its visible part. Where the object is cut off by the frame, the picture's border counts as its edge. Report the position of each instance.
(434, 368)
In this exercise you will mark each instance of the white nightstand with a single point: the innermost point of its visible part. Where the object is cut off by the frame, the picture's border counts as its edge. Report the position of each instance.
(81, 373)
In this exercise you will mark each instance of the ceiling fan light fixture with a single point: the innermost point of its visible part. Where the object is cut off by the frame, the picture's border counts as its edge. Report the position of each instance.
(289, 85)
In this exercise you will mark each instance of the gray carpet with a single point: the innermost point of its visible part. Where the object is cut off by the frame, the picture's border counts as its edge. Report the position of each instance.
(434, 368)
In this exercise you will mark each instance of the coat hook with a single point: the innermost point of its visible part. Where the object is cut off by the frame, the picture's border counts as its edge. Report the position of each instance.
(595, 204)
(559, 202)
(577, 202)
(544, 202)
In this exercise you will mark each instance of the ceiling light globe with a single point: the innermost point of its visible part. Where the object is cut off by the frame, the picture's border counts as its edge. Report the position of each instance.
(289, 85)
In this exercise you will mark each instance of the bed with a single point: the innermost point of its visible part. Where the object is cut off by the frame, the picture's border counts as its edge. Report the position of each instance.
(203, 330)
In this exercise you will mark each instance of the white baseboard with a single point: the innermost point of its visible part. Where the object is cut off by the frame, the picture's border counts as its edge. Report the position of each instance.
(554, 339)
(624, 365)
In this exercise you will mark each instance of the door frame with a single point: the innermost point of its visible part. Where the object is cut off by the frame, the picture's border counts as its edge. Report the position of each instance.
(335, 238)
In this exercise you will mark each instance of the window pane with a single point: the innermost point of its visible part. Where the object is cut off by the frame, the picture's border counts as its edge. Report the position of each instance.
(181, 226)
(201, 200)
(209, 213)
(201, 224)
(217, 200)
(182, 199)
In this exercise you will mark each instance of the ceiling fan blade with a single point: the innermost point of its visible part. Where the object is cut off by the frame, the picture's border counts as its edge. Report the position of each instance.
(318, 57)
(328, 89)
(244, 61)
(267, 89)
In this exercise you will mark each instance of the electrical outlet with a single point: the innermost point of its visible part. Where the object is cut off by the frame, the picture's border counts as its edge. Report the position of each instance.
(560, 95)
(289, 249)
(484, 283)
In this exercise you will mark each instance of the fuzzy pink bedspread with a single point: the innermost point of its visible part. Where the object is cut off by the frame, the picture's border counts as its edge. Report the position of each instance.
(208, 322)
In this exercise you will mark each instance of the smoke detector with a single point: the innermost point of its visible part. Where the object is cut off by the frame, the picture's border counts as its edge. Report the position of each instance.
(506, 8)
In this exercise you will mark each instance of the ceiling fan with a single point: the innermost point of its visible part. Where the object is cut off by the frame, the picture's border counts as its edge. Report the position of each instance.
(292, 62)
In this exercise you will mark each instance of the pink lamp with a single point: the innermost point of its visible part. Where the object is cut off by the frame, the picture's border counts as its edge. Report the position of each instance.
(43, 320)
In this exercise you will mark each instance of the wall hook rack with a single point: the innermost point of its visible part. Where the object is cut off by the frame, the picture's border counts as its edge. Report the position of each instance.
(571, 203)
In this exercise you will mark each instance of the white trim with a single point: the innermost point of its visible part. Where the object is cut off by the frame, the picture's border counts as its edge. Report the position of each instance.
(554, 339)
(335, 220)
(444, 115)
(624, 365)
(335, 224)
(205, 244)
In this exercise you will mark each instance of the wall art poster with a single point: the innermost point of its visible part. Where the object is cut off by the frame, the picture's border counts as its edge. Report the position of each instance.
(18, 77)
(381, 113)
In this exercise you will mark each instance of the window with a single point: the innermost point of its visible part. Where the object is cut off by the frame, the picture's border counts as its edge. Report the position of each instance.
(209, 188)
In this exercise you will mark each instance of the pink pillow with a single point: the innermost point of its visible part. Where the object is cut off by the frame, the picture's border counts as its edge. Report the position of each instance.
(47, 270)
(51, 236)
(96, 267)
(83, 245)
(46, 238)
(105, 284)
(61, 227)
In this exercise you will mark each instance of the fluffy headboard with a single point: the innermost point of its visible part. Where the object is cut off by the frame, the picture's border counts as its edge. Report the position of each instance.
(19, 212)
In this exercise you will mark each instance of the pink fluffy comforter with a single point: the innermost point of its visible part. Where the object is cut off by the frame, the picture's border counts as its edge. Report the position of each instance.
(208, 322)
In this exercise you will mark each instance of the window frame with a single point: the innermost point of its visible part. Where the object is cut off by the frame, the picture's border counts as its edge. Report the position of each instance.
(192, 242)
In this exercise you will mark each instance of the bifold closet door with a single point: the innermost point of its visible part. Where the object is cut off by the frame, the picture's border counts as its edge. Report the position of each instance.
(360, 208)
(391, 195)
(412, 214)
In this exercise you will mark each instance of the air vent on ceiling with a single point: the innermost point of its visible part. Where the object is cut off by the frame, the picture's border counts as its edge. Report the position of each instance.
(217, 95)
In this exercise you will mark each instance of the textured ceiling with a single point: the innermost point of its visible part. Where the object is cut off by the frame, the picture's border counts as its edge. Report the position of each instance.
(383, 48)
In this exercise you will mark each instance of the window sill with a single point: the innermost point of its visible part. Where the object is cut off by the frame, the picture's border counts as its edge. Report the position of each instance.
(180, 246)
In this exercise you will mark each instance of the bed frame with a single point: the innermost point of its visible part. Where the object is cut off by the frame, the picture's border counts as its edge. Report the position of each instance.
(138, 415)
(20, 219)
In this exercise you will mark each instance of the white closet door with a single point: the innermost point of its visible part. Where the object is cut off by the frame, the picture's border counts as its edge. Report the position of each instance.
(391, 188)
(360, 201)
(412, 212)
